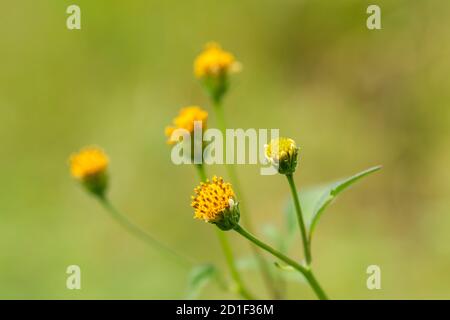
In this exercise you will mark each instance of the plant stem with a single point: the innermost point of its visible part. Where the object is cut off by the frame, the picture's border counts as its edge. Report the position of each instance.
(232, 265)
(230, 168)
(301, 222)
(201, 172)
(307, 273)
(223, 239)
(141, 234)
(246, 219)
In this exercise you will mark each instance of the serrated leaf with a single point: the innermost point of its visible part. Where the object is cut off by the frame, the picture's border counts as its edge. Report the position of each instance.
(198, 278)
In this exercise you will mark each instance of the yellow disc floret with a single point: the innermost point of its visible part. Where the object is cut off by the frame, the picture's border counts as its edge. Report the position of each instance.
(185, 120)
(214, 61)
(88, 162)
(212, 199)
(277, 147)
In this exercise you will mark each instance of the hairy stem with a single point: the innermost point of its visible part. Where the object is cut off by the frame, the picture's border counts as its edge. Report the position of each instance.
(306, 272)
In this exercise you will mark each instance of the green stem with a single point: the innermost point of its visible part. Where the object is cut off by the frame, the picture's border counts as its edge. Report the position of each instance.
(223, 239)
(301, 222)
(141, 234)
(232, 265)
(230, 168)
(246, 219)
(307, 273)
(201, 172)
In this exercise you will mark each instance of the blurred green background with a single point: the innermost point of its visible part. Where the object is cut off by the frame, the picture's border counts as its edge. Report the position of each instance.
(352, 98)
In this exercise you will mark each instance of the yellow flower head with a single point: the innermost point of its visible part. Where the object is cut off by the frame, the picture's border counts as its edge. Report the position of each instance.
(214, 61)
(185, 120)
(282, 153)
(88, 162)
(214, 202)
(89, 166)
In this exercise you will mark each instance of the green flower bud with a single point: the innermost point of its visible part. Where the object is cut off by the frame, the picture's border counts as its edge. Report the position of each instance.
(282, 153)
(212, 67)
(89, 166)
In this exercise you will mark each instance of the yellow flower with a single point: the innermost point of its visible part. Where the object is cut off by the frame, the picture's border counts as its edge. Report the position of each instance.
(90, 166)
(214, 202)
(89, 161)
(282, 153)
(214, 61)
(185, 120)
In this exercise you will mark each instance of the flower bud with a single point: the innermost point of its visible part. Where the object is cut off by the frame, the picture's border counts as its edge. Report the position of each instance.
(214, 202)
(190, 119)
(89, 166)
(212, 67)
(186, 119)
(282, 153)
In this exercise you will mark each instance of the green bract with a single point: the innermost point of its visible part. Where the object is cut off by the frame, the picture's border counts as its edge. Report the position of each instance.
(230, 217)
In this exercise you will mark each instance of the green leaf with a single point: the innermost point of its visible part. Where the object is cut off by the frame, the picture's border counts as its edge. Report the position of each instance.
(331, 192)
(198, 278)
(309, 196)
(315, 200)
